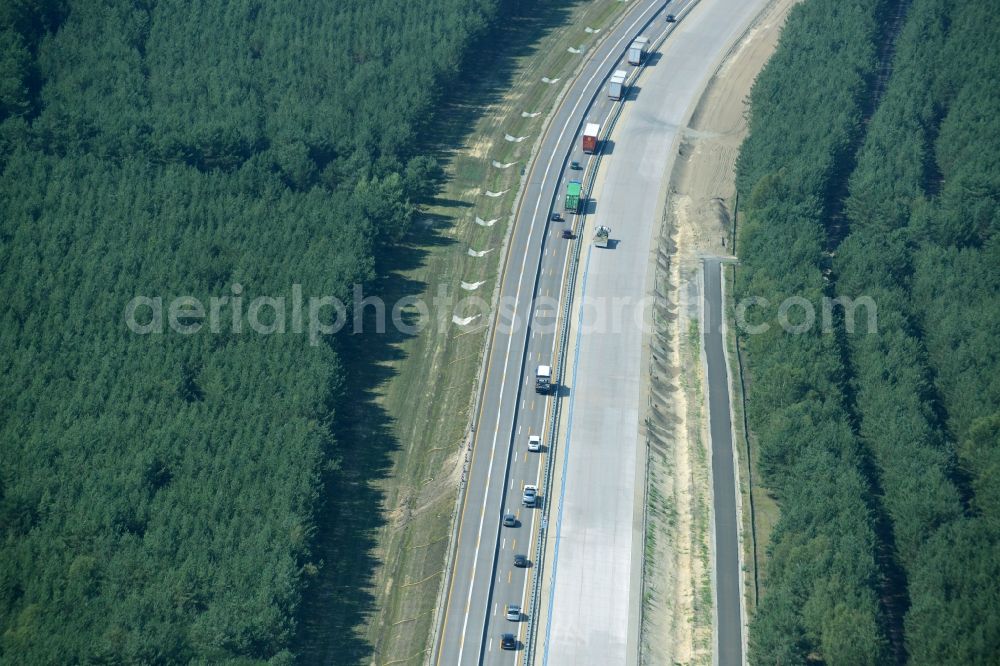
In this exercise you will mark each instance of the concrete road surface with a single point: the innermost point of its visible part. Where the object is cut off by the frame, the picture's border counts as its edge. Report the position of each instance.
(595, 601)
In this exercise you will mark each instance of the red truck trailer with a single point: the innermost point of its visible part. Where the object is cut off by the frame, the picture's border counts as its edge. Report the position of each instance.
(590, 133)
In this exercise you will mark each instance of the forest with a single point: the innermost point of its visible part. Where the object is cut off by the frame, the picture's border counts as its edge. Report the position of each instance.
(158, 492)
(872, 168)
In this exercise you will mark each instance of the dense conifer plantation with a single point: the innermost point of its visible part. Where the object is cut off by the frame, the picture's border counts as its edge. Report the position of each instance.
(157, 491)
(914, 228)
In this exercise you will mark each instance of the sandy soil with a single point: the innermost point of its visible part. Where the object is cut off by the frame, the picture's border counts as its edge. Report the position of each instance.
(677, 615)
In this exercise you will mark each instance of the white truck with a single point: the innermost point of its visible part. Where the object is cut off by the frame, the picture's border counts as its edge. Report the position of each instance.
(616, 88)
(602, 235)
(543, 379)
(637, 51)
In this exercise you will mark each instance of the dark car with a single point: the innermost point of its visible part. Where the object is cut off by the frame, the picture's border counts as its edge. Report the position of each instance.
(556, 217)
(575, 166)
(508, 642)
(520, 561)
(509, 520)
(671, 18)
(567, 233)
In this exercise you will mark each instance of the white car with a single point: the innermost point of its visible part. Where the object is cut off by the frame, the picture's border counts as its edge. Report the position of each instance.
(513, 612)
(530, 496)
(535, 443)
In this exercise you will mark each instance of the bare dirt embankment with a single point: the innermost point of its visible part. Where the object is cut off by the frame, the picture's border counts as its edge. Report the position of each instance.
(677, 595)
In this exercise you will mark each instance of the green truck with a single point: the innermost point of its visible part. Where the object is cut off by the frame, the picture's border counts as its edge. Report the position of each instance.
(573, 196)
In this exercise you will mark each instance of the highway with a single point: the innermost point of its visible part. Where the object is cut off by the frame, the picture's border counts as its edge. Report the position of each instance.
(596, 591)
(483, 578)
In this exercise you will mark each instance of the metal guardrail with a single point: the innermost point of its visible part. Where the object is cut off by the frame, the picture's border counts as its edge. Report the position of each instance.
(538, 568)
(472, 424)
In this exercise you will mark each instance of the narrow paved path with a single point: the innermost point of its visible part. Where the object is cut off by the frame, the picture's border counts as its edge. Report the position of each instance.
(729, 624)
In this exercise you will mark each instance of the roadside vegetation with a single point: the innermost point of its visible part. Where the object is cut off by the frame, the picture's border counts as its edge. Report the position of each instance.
(159, 492)
(871, 170)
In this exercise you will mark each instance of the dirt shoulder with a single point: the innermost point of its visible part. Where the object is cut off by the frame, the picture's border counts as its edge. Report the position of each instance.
(677, 594)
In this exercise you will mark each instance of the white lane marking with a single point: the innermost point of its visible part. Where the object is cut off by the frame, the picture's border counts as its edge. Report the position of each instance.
(496, 434)
(600, 70)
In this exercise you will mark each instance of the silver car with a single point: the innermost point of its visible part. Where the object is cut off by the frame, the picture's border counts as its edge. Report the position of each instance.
(530, 496)
(513, 612)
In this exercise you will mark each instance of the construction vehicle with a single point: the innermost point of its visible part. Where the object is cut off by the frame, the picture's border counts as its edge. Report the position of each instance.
(590, 133)
(573, 196)
(616, 88)
(637, 51)
(602, 236)
(543, 379)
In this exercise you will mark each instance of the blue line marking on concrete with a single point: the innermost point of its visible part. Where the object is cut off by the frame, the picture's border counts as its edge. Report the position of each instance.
(562, 489)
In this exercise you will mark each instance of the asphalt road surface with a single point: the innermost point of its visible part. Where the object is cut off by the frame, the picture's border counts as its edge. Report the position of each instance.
(728, 637)
(483, 578)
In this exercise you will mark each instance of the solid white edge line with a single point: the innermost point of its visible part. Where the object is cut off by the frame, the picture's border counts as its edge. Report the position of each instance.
(517, 295)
